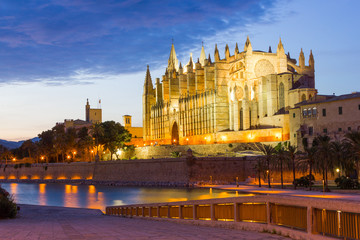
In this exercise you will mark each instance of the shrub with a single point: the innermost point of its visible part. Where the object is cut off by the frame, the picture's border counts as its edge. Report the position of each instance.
(8, 208)
(304, 181)
(28, 165)
(230, 145)
(16, 166)
(175, 154)
(347, 183)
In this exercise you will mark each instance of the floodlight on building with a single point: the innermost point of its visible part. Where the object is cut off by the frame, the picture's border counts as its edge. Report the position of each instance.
(223, 138)
(14, 159)
(68, 156)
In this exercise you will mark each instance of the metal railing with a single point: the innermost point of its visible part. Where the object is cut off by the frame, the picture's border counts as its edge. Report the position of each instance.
(311, 217)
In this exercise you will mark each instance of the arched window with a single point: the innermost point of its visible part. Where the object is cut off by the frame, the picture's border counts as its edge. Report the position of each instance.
(281, 96)
(303, 97)
(241, 119)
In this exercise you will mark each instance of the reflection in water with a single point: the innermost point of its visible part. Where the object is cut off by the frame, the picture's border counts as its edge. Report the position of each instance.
(13, 188)
(98, 197)
(42, 194)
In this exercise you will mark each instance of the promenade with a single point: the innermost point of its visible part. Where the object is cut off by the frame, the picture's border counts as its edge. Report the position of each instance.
(48, 223)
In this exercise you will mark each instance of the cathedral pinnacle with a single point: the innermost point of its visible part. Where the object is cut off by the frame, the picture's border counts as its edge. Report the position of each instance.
(302, 59)
(247, 46)
(209, 59)
(227, 52)
(236, 49)
(280, 47)
(148, 82)
(173, 61)
(202, 56)
(216, 54)
(311, 59)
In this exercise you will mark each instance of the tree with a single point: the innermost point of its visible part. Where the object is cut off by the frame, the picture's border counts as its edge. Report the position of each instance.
(97, 133)
(59, 141)
(268, 151)
(5, 154)
(341, 151)
(281, 159)
(308, 158)
(353, 139)
(324, 158)
(85, 141)
(46, 144)
(29, 147)
(292, 153)
(114, 137)
(259, 168)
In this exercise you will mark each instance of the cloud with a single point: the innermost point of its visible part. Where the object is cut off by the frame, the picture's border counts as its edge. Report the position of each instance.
(50, 40)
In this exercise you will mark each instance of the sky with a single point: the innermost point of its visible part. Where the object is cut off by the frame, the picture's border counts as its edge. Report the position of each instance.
(54, 54)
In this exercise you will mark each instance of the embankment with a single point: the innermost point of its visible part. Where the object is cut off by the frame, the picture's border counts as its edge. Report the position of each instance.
(220, 170)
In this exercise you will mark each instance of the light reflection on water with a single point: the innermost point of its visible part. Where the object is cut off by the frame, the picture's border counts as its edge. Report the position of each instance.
(98, 196)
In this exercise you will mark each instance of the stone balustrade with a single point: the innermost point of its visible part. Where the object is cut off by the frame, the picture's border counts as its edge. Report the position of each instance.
(297, 217)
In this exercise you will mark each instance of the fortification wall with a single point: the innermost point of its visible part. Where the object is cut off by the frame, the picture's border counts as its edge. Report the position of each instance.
(176, 170)
(200, 150)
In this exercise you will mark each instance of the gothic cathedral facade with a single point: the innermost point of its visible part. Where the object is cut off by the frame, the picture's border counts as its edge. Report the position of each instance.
(244, 97)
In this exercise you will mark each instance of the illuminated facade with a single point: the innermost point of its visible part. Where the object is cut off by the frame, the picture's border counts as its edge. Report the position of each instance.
(244, 97)
(324, 115)
(136, 132)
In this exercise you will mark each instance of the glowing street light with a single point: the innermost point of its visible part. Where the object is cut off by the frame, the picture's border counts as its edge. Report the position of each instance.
(338, 171)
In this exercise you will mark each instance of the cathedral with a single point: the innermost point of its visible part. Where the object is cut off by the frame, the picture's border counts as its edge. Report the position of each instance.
(243, 97)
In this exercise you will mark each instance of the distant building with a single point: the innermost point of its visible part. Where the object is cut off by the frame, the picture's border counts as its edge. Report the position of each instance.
(92, 115)
(323, 114)
(136, 132)
(243, 97)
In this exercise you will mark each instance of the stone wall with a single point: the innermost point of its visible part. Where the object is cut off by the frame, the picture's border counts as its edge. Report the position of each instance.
(201, 150)
(172, 170)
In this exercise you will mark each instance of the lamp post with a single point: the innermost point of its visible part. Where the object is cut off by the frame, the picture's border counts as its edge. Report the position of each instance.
(338, 171)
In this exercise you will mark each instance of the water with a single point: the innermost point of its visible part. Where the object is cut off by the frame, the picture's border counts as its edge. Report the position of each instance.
(98, 196)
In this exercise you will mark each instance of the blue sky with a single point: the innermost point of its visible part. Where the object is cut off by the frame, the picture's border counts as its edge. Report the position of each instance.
(55, 54)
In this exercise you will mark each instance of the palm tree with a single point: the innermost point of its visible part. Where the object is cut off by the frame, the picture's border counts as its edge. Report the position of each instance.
(268, 151)
(325, 159)
(259, 168)
(353, 139)
(307, 159)
(292, 153)
(281, 159)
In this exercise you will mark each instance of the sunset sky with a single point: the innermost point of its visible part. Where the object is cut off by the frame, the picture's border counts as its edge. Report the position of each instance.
(54, 54)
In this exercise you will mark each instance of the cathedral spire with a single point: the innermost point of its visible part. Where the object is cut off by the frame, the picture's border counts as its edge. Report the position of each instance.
(190, 65)
(311, 60)
(248, 46)
(270, 51)
(202, 56)
(227, 52)
(236, 49)
(173, 61)
(216, 54)
(209, 59)
(280, 46)
(148, 86)
(302, 59)
(181, 71)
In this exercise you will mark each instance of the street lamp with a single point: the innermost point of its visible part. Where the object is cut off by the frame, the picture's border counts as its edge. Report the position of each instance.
(338, 171)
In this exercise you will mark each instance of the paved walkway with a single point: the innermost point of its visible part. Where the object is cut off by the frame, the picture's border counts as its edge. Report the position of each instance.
(354, 196)
(47, 223)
